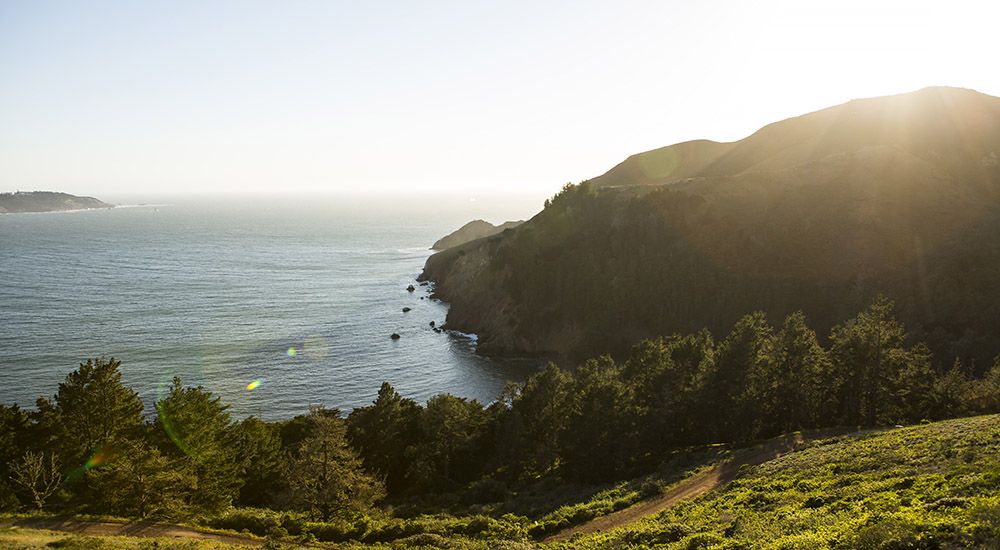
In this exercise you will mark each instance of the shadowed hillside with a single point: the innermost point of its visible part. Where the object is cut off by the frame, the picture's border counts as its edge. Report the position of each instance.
(897, 195)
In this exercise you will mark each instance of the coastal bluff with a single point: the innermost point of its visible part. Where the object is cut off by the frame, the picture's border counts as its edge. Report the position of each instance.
(476, 229)
(46, 201)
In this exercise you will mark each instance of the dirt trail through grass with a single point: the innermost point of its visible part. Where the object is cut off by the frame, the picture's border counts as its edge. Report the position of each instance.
(132, 529)
(697, 484)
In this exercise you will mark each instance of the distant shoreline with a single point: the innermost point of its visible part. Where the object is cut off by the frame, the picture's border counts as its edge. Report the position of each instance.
(30, 202)
(74, 210)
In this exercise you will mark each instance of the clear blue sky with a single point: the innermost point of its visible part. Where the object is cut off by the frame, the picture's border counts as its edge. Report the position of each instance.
(466, 97)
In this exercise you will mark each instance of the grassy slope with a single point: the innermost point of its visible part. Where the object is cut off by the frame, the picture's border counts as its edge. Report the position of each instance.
(930, 486)
(18, 538)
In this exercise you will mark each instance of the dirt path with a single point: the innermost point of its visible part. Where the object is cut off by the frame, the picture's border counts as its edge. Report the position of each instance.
(697, 484)
(131, 529)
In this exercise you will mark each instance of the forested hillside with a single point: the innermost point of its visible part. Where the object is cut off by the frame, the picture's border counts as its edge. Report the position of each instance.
(897, 195)
(553, 452)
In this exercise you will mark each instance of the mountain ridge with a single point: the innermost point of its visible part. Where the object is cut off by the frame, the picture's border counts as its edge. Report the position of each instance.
(897, 195)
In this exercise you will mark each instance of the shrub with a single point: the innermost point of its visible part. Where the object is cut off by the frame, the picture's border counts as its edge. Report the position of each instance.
(252, 520)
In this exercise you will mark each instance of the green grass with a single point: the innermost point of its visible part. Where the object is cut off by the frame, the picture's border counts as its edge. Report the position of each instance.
(16, 538)
(927, 486)
(676, 468)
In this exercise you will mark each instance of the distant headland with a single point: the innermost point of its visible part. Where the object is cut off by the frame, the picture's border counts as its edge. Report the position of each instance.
(476, 229)
(46, 201)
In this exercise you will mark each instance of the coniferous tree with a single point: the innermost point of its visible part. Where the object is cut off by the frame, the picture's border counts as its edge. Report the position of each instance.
(535, 423)
(259, 447)
(142, 482)
(15, 440)
(735, 387)
(802, 379)
(862, 352)
(911, 396)
(325, 475)
(950, 393)
(91, 412)
(195, 431)
(382, 432)
(455, 442)
(667, 376)
(600, 439)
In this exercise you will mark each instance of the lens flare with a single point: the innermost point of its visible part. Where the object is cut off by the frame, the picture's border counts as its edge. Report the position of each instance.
(103, 456)
(255, 384)
(96, 460)
(292, 351)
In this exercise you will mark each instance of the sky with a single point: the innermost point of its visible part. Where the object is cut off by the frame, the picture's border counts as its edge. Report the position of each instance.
(465, 97)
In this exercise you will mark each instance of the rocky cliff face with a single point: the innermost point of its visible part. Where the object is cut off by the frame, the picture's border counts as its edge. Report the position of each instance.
(897, 195)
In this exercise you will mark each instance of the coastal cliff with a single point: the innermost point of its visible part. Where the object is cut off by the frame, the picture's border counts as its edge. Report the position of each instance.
(896, 195)
(46, 201)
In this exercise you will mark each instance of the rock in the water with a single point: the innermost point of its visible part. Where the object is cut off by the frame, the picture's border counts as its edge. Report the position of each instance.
(433, 323)
(394, 336)
(437, 329)
(406, 309)
(411, 288)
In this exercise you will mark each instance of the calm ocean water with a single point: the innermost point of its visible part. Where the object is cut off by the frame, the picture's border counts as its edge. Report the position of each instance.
(299, 293)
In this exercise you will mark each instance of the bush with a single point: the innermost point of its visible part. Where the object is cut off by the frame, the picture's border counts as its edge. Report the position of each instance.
(424, 539)
(663, 534)
(252, 520)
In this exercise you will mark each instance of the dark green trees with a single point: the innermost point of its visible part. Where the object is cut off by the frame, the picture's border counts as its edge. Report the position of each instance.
(881, 380)
(325, 474)
(800, 386)
(598, 443)
(14, 442)
(260, 449)
(530, 431)
(197, 434)
(735, 391)
(454, 446)
(92, 412)
(89, 448)
(90, 421)
(863, 350)
(141, 482)
(382, 432)
(438, 447)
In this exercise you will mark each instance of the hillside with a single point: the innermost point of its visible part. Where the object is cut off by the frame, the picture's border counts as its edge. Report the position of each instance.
(46, 201)
(476, 229)
(932, 486)
(926, 486)
(897, 195)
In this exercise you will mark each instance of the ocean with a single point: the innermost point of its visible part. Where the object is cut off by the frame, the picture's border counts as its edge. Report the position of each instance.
(300, 295)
